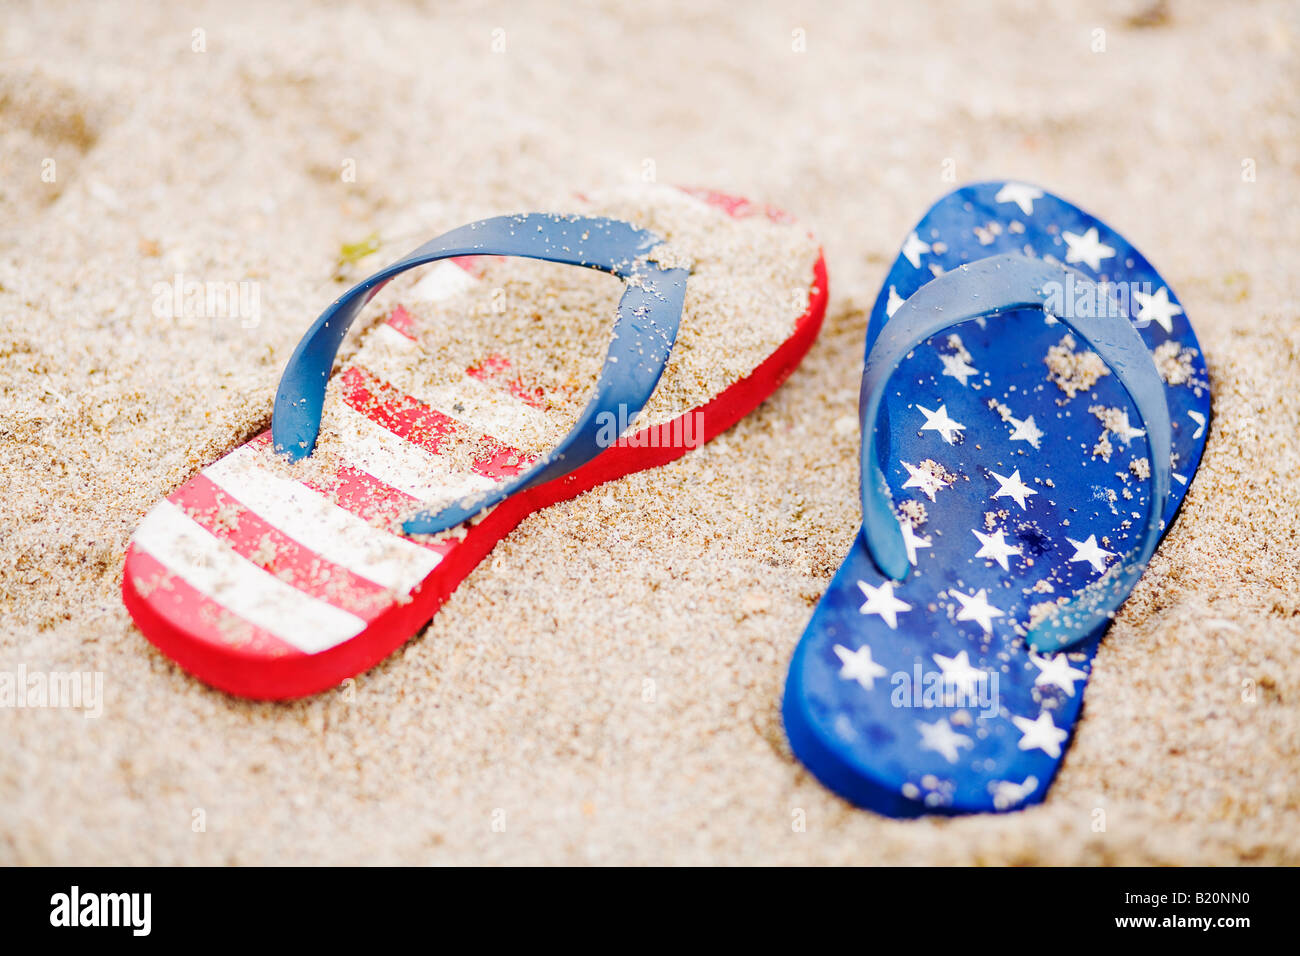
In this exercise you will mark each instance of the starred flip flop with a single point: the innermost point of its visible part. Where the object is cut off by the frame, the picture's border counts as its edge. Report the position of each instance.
(312, 552)
(1034, 405)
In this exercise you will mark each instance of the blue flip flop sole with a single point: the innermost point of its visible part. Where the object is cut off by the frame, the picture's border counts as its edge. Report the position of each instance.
(1016, 460)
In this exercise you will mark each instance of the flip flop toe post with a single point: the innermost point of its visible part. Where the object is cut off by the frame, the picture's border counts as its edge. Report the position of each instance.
(1034, 404)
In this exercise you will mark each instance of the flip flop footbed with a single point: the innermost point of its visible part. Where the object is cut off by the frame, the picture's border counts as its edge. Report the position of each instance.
(273, 579)
(1020, 473)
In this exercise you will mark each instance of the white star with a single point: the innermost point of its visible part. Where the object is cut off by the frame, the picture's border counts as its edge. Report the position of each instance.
(894, 303)
(881, 601)
(913, 249)
(911, 541)
(941, 738)
(1007, 794)
(1013, 488)
(1021, 194)
(1157, 308)
(1087, 248)
(940, 422)
(925, 479)
(975, 607)
(858, 666)
(1040, 733)
(1116, 422)
(1025, 430)
(957, 367)
(1091, 552)
(959, 672)
(1200, 423)
(1056, 670)
(995, 548)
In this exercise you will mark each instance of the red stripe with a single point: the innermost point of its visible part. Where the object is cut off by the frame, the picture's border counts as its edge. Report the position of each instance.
(399, 413)
(495, 368)
(476, 265)
(411, 419)
(376, 503)
(255, 539)
(402, 321)
(489, 368)
(736, 207)
(195, 613)
(365, 496)
(500, 461)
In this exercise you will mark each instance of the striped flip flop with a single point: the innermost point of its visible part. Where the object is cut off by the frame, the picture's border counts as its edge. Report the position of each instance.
(313, 551)
(1034, 406)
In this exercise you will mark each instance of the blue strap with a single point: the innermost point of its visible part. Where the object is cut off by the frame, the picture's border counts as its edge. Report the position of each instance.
(644, 331)
(1002, 284)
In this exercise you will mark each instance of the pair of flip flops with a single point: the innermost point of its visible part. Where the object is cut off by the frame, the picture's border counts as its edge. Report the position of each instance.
(1020, 435)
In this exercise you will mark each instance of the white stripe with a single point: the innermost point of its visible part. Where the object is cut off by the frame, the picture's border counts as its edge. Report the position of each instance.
(188, 551)
(398, 462)
(317, 523)
(444, 280)
(485, 408)
(392, 339)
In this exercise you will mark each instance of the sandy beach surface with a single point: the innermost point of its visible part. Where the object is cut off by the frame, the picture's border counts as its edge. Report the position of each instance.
(605, 688)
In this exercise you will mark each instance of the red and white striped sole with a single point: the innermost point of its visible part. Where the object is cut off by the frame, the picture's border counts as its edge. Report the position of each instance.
(273, 587)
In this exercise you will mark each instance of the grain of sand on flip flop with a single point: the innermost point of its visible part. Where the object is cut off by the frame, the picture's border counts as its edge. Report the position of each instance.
(608, 682)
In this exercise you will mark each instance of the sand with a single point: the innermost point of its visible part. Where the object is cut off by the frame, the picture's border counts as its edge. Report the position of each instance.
(605, 688)
(750, 282)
